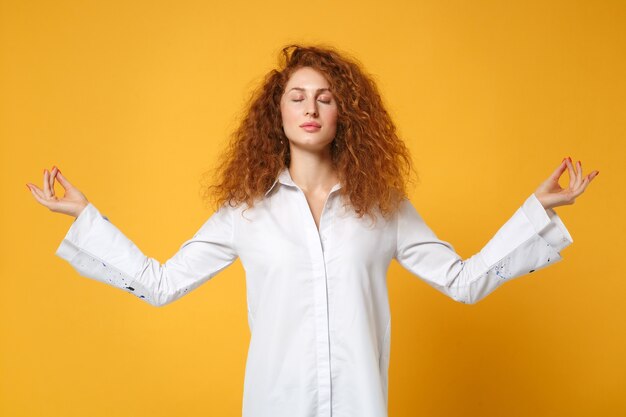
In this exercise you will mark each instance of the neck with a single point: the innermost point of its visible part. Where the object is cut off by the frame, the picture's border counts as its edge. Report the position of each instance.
(312, 172)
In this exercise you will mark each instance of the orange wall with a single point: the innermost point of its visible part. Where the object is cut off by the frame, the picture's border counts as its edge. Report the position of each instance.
(134, 100)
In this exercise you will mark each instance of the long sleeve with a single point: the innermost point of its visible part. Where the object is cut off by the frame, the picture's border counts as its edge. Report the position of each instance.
(99, 250)
(530, 240)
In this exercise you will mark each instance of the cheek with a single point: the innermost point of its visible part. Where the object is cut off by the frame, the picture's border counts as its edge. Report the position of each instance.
(287, 114)
(289, 120)
(332, 117)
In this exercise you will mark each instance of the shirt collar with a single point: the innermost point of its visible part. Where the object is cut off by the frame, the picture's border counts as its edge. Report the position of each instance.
(284, 177)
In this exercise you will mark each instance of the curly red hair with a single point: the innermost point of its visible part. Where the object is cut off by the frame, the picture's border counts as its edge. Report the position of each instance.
(372, 163)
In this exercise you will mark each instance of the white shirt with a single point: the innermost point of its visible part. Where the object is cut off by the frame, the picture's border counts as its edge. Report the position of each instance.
(318, 309)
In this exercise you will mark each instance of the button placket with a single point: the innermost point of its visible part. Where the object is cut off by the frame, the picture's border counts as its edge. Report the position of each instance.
(320, 307)
(327, 218)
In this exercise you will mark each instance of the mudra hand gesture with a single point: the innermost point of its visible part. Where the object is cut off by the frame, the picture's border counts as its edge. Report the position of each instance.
(550, 194)
(72, 203)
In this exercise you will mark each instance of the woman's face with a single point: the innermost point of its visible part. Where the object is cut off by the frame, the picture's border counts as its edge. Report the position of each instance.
(308, 100)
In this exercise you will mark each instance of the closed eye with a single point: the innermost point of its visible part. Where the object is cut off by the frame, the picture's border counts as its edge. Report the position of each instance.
(325, 100)
(321, 101)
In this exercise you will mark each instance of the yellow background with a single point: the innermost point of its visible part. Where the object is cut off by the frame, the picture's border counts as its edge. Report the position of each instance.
(134, 100)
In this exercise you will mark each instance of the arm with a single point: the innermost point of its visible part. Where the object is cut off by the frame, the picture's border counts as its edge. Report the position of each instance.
(99, 250)
(530, 240)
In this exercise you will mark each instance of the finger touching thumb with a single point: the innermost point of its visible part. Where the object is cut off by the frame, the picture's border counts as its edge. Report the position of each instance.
(63, 181)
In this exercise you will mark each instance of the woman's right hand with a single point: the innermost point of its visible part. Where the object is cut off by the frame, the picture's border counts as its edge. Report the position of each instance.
(72, 203)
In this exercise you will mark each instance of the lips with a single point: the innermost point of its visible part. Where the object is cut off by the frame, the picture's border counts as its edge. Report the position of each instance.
(310, 124)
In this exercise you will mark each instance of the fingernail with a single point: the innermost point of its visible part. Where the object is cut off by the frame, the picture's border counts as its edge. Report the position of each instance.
(28, 187)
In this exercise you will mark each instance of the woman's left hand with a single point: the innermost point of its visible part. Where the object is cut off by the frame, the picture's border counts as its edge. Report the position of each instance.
(550, 194)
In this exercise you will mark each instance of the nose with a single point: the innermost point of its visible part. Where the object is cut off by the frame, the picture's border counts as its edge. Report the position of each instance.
(311, 108)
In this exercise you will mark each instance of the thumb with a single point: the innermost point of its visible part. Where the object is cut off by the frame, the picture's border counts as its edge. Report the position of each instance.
(63, 181)
(559, 171)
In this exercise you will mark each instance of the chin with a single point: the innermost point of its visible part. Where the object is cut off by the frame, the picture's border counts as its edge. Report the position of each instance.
(311, 145)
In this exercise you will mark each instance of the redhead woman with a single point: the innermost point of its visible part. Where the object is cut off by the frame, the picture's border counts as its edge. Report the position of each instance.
(311, 196)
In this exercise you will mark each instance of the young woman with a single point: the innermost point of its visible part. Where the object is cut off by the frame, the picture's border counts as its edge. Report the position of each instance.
(311, 197)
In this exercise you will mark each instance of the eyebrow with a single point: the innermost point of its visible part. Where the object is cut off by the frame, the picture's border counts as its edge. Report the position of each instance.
(302, 89)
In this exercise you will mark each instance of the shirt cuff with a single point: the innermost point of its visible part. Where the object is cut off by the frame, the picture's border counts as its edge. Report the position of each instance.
(76, 235)
(547, 223)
